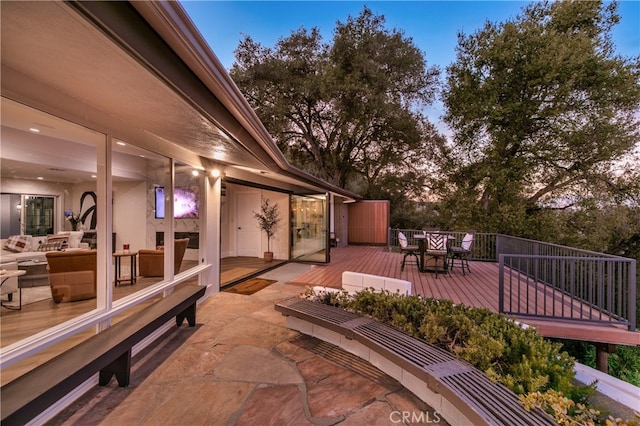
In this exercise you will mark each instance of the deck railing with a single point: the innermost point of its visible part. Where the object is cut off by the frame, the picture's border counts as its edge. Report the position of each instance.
(552, 281)
(548, 280)
(484, 244)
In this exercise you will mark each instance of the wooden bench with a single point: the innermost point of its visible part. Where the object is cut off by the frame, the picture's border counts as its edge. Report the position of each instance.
(353, 282)
(108, 352)
(455, 389)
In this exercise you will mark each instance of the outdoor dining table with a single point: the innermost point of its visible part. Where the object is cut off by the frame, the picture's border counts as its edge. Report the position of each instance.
(421, 239)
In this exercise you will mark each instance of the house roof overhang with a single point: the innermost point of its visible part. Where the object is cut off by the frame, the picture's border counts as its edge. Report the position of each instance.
(139, 71)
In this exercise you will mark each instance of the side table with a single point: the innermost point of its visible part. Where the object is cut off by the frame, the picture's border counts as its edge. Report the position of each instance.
(4, 276)
(131, 278)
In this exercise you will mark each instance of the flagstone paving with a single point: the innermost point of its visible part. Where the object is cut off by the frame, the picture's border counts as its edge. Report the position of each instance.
(240, 365)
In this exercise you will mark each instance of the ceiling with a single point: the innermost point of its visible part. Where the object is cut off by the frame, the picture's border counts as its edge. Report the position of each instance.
(39, 146)
(102, 84)
(121, 79)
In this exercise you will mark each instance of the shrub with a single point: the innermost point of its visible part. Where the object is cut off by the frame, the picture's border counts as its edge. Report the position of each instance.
(506, 352)
(561, 408)
(525, 362)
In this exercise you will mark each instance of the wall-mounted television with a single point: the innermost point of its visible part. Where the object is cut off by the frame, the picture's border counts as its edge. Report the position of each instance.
(186, 202)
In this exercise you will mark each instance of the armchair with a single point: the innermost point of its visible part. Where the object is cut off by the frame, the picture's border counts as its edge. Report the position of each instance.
(72, 275)
(151, 262)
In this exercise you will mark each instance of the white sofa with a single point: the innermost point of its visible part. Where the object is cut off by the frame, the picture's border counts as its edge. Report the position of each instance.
(31, 250)
(10, 260)
(353, 282)
(29, 253)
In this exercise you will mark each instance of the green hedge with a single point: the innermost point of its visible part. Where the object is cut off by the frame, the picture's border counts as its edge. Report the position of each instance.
(531, 366)
(506, 352)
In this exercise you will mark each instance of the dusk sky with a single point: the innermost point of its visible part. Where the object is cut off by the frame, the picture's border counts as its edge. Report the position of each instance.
(433, 25)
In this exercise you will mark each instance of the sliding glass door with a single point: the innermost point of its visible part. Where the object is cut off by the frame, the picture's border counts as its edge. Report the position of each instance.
(38, 215)
(309, 225)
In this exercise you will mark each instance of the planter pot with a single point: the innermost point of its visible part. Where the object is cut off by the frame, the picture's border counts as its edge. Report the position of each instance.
(268, 256)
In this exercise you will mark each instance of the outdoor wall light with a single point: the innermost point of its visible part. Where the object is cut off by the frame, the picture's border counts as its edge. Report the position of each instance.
(195, 172)
(215, 173)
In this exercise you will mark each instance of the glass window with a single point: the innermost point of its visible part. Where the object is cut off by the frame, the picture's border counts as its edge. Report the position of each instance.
(188, 214)
(48, 164)
(140, 179)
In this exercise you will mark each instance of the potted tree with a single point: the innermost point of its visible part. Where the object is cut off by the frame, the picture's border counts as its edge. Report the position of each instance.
(268, 219)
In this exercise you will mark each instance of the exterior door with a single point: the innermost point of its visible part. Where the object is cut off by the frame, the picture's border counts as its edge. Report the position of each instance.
(309, 225)
(247, 231)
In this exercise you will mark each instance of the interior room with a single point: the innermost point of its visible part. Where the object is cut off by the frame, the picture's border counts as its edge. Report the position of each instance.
(49, 175)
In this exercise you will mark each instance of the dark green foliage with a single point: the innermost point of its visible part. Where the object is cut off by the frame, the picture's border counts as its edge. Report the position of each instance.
(544, 115)
(348, 112)
(624, 363)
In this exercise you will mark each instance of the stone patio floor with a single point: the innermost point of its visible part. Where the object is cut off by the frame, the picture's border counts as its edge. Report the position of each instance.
(240, 365)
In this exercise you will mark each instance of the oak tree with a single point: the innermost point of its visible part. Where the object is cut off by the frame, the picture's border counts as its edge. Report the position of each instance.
(545, 115)
(348, 112)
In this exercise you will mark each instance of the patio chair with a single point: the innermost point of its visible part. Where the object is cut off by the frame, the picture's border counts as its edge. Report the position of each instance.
(462, 252)
(437, 249)
(407, 250)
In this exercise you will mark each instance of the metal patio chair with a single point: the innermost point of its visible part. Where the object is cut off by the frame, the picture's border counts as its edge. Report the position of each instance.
(462, 252)
(407, 250)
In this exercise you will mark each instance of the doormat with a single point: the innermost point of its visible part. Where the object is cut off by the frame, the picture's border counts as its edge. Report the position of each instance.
(250, 286)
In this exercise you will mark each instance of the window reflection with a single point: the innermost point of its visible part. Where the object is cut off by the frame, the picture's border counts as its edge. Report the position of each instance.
(187, 212)
(43, 177)
(137, 176)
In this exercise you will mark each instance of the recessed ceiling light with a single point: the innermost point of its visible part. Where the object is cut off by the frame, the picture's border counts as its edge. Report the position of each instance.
(121, 143)
(195, 172)
(40, 178)
(94, 176)
(142, 156)
(34, 130)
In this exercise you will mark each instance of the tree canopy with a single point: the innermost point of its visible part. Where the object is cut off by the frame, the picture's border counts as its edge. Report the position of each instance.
(544, 116)
(350, 111)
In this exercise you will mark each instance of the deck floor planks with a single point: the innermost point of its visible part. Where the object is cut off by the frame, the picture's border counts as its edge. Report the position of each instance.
(479, 288)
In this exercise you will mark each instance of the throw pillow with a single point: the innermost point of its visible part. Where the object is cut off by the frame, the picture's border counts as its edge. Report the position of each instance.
(63, 237)
(18, 243)
(437, 242)
(50, 246)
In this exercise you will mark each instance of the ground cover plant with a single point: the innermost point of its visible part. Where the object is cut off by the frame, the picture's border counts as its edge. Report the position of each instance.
(534, 368)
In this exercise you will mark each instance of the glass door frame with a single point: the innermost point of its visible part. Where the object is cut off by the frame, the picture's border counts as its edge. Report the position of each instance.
(307, 241)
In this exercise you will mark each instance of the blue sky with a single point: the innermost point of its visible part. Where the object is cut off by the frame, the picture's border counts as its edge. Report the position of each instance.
(433, 25)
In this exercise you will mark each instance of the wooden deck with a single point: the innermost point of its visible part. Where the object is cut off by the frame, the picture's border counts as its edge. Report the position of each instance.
(478, 289)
